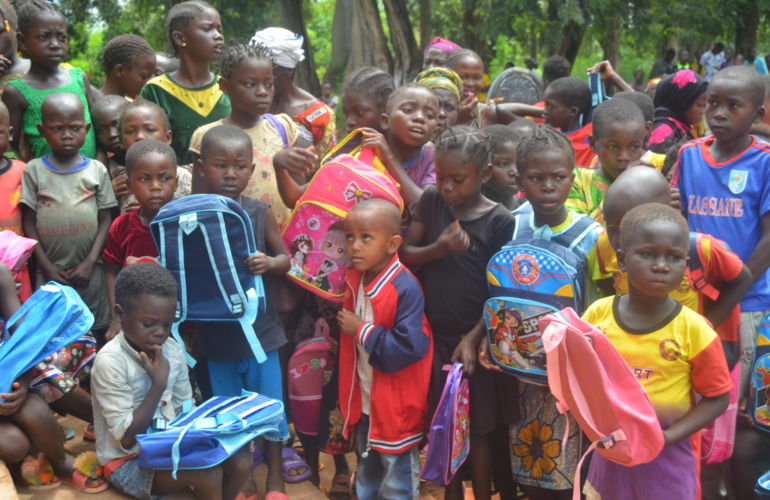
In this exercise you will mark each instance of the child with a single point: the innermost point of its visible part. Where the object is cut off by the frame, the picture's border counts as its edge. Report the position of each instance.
(470, 68)
(247, 79)
(724, 181)
(446, 84)
(673, 350)
(385, 355)
(128, 62)
(365, 94)
(151, 170)
(454, 232)
(190, 96)
(105, 115)
(679, 102)
(43, 38)
(545, 164)
(67, 199)
(618, 141)
(502, 186)
(12, 65)
(226, 165)
(141, 376)
(436, 53)
(567, 101)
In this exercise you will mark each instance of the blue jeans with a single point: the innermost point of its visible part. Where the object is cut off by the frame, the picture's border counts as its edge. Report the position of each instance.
(385, 476)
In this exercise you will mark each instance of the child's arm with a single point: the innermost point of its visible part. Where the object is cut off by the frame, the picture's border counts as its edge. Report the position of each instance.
(466, 351)
(699, 416)
(110, 274)
(609, 75)
(292, 164)
(507, 112)
(452, 240)
(730, 294)
(91, 94)
(410, 191)
(157, 367)
(50, 271)
(9, 297)
(391, 350)
(80, 275)
(16, 105)
(759, 260)
(278, 260)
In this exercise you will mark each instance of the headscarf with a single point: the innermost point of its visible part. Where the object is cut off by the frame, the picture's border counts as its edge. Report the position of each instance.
(285, 46)
(674, 95)
(441, 78)
(442, 44)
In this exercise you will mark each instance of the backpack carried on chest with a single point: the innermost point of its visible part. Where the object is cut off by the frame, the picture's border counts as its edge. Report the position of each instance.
(449, 434)
(529, 278)
(203, 240)
(314, 233)
(759, 396)
(51, 318)
(205, 436)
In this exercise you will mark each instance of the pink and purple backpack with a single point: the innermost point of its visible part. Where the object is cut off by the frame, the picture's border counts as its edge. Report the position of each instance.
(314, 233)
(15, 250)
(449, 434)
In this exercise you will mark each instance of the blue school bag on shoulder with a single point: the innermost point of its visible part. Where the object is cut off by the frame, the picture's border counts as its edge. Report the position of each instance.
(203, 240)
(51, 318)
(529, 278)
(759, 396)
(207, 435)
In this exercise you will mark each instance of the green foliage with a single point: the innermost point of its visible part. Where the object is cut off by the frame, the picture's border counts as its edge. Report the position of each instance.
(319, 15)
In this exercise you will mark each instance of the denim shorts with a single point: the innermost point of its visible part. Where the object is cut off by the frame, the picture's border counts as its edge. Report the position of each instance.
(132, 480)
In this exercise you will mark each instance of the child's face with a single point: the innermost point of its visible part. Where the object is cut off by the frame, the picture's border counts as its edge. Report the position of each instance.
(730, 111)
(503, 173)
(557, 113)
(447, 107)
(367, 243)
(621, 145)
(203, 38)
(546, 180)
(226, 168)
(143, 123)
(153, 180)
(360, 111)
(457, 179)
(434, 58)
(147, 322)
(694, 115)
(412, 118)
(46, 41)
(106, 124)
(655, 258)
(471, 71)
(133, 79)
(250, 86)
(64, 129)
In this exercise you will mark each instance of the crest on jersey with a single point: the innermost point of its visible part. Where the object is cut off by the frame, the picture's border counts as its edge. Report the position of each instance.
(737, 182)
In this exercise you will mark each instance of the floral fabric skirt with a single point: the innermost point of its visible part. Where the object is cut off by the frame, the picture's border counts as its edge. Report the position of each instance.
(63, 370)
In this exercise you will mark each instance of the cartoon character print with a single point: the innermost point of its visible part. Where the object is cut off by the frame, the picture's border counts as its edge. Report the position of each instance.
(461, 432)
(299, 250)
(333, 249)
(506, 335)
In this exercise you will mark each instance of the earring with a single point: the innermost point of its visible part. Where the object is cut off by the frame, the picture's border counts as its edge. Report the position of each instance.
(6, 26)
(184, 44)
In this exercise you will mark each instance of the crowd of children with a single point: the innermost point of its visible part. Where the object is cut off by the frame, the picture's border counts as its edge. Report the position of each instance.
(670, 224)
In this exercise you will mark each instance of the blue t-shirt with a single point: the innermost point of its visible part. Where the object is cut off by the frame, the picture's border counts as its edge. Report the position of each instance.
(758, 64)
(727, 200)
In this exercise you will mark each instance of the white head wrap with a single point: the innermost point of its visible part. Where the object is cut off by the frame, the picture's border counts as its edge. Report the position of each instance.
(285, 46)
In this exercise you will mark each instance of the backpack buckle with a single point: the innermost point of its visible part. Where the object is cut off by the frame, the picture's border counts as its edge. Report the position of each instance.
(178, 312)
(608, 442)
(188, 222)
(237, 305)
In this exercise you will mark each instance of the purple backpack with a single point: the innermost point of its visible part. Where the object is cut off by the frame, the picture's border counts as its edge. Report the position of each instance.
(449, 436)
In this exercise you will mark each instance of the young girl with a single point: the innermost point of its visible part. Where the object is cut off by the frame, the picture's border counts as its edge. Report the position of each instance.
(502, 186)
(190, 96)
(469, 66)
(43, 38)
(680, 101)
(12, 66)
(454, 232)
(364, 96)
(128, 62)
(446, 84)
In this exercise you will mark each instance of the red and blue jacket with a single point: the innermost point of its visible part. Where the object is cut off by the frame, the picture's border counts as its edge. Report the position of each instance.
(400, 346)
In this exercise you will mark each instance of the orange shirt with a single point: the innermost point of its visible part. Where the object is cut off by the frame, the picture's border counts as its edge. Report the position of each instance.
(10, 214)
(583, 152)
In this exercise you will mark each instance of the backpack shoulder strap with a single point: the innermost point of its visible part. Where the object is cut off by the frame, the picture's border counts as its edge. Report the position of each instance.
(278, 126)
(579, 230)
(695, 269)
(522, 229)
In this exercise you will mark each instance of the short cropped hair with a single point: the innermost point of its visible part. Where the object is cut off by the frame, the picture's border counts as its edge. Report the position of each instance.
(396, 95)
(556, 67)
(500, 134)
(141, 103)
(613, 111)
(645, 214)
(141, 148)
(224, 133)
(642, 100)
(753, 81)
(572, 91)
(143, 278)
(390, 213)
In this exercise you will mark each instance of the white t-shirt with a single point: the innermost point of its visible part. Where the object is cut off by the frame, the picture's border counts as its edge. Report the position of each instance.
(363, 368)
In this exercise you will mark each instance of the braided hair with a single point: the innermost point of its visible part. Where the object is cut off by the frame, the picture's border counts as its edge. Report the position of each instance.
(236, 52)
(179, 17)
(370, 82)
(543, 138)
(29, 10)
(469, 143)
(123, 49)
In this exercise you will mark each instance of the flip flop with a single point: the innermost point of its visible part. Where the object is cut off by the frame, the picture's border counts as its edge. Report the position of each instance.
(242, 496)
(79, 481)
(341, 489)
(276, 495)
(291, 461)
(89, 434)
(68, 433)
(37, 474)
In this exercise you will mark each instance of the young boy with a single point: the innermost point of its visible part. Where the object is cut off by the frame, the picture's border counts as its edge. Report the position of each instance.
(66, 204)
(225, 166)
(151, 170)
(724, 182)
(674, 353)
(105, 115)
(385, 355)
(618, 136)
(567, 100)
(139, 376)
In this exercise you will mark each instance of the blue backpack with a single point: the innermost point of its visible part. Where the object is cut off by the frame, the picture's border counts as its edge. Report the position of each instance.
(203, 240)
(206, 436)
(529, 278)
(759, 396)
(51, 318)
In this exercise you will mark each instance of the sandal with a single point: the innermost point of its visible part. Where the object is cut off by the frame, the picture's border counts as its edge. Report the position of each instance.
(341, 489)
(292, 462)
(68, 433)
(37, 474)
(242, 496)
(276, 495)
(89, 434)
(79, 481)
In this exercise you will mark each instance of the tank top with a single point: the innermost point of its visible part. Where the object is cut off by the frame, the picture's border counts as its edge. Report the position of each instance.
(33, 115)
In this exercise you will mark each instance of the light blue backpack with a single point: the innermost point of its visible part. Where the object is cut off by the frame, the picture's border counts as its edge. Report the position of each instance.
(205, 436)
(203, 240)
(51, 318)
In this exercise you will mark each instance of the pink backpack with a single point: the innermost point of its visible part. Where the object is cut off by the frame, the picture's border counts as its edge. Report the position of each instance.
(590, 379)
(717, 439)
(314, 234)
(15, 250)
(311, 364)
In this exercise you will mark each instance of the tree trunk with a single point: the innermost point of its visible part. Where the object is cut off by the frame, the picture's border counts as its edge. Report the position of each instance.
(611, 41)
(746, 29)
(426, 35)
(305, 75)
(407, 61)
(368, 46)
(572, 37)
(341, 41)
(472, 40)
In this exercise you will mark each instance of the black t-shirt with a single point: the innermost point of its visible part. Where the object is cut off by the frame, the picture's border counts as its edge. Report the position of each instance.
(226, 341)
(456, 287)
